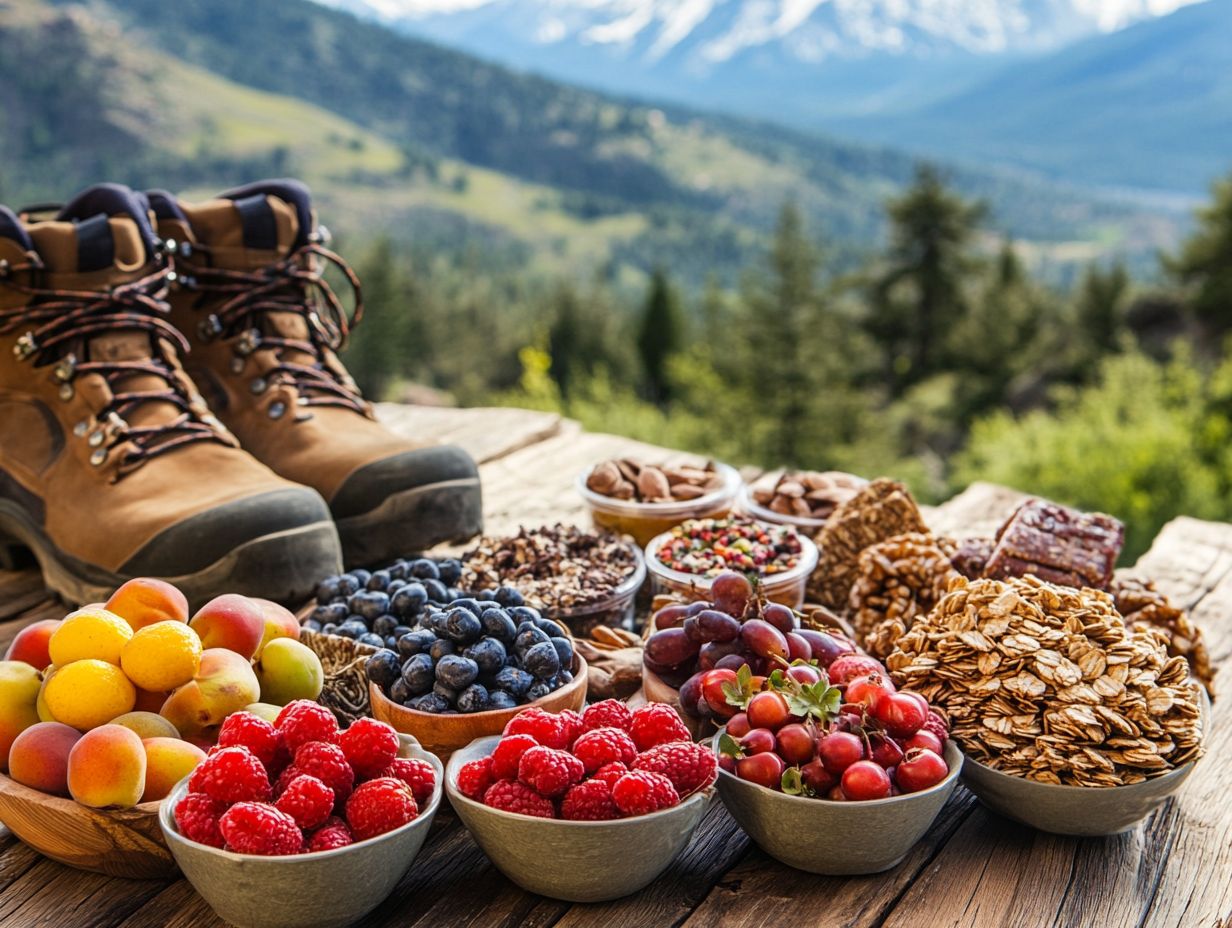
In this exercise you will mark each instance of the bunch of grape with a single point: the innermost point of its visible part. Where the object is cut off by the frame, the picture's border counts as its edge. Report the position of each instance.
(731, 630)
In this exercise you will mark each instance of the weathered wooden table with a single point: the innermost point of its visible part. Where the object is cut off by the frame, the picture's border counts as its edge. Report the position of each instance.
(973, 869)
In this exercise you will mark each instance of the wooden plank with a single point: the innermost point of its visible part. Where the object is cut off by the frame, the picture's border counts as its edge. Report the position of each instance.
(52, 895)
(486, 433)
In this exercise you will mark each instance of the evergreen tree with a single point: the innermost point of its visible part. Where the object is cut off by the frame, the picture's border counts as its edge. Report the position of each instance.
(660, 334)
(565, 338)
(1204, 266)
(377, 352)
(1100, 309)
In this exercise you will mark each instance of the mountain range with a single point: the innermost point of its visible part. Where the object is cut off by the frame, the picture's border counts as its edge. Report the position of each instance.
(1078, 89)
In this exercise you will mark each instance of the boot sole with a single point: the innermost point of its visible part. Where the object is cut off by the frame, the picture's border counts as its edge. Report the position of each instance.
(283, 566)
(413, 521)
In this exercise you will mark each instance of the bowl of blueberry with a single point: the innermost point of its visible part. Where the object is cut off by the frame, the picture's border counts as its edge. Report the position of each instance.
(449, 665)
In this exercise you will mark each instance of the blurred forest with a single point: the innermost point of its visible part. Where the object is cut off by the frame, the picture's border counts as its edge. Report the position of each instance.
(937, 360)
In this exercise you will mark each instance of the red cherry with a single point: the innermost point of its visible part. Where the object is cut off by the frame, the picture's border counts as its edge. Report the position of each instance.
(712, 690)
(796, 744)
(836, 793)
(738, 725)
(886, 751)
(768, 710)
(866, 690)
(763, 769)
(804, 673)
(728, 763)
(901, 714)
(924, 740)
(850, 666)
(920, 769)
(758, 741)
(839, 750)
(817, 777)
(865, 780)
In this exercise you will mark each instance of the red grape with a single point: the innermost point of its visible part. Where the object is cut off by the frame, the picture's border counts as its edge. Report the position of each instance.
(920, 769)
(850, 666)
(713, 651)
(694, 608)
(731, 592)
(758, 741)
(716, 626)
(730, 662)
(804, 673)
(839, 750)
(767, 710)
(795, 744)
(692, 631)
(670, 616)
(691, 693)
(738, 725)
(865, 780)
(924, 739)
(763, 639)
(670, 647)
(781, 617)
(797, 648)
(901, 714)
(763, 769)
(826, 648)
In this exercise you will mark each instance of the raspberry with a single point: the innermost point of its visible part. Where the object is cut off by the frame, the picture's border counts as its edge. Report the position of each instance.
(379, 806)
(610, 713)
(589, 802)
(641, 792)
(937, 725)
(603, 746)
(656, 723)
(196, 815)
(610, 773)
(508, 753)
(370, 746)
(307, 800)
(512, 796)
(544, 727)
(328, 764)
(548, 771)
(302, 721)
(571, 726)
(333, 834)
(475, 778)
(689, 766)
(415, 773)
(245, 730)
(231, 775)
(259, 828)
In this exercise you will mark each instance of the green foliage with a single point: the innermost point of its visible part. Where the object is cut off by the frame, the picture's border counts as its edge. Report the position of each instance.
(1204, 265)
(660, 334)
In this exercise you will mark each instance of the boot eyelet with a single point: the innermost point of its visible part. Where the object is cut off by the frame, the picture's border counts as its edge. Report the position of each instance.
(258, 386)
(66, 368)
(277, 410)
(66, 392)
(81, 428)
(95, 439)
(169, 246)
(210, 327)
(25, 346)
(99, 457)
(238, 365)
(248, 342)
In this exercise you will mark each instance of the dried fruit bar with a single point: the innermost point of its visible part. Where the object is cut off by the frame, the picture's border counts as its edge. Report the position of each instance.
(1058, 544)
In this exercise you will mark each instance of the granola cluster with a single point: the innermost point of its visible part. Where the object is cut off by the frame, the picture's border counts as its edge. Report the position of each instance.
(1049, 683)
(1144, 607)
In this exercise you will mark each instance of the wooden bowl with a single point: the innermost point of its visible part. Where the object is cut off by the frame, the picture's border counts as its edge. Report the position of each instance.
(444, 734)
(122, 842)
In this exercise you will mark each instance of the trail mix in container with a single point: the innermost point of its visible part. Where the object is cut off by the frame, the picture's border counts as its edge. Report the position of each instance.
(706, 547)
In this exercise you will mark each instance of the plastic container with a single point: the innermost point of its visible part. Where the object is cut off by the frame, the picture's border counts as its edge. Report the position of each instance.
(617, 610)
(754, 510)
(646, 520)
(787, 587)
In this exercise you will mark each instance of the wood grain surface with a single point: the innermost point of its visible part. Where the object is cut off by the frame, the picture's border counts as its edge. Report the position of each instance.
(973, 869)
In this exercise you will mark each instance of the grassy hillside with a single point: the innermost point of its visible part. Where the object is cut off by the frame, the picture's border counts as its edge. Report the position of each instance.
(399, 135)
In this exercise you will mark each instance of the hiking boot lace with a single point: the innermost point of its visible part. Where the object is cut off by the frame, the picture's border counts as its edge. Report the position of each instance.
(294, 284)
(59, 319)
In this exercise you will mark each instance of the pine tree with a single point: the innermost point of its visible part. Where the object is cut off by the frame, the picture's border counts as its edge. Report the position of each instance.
(377, 353)
(565, 338)
(1204, 266)
(660, 334)
(1100, 308)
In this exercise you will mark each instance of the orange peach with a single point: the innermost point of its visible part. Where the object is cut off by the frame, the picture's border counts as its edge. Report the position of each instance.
(31, 644)
(230, 621)
(144, 601)
(167, 761)
(19, 690)
(39, 757)
(280, 622)
(146, 724)
(224, 684)
(107, 768)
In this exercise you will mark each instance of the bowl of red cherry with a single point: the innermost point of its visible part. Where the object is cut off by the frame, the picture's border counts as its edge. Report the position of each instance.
(811, 756)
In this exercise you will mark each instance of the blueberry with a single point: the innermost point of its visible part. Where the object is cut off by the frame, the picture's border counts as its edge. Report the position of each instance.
(447, 693)
(457, 672)
(512, 660)
(508, 596)
(400, 630)
(391, 642)
(514, 680)
(499, 699)
(565, 677)
(473, 699)
(384, 625)
(330, 628)
(542, 660)
(311, 625)
(351, 629)
(397, 570)
(550, 628)
(379, 580)
(452, 593)
(564, 650)
(383, 668)
(419, 673)
(466, 602)
(399, 691)
(437, 592)
(486, 596)
(462, 626)
(429, 702)
(442, 647)
(323, 614)
(435, 620)
(527, 638)
(488, 653)
(332, 612)
(418, 641)
(347, 585)
(370, 603)
(450, 570)
(539, 690)
(424, 569)
(373, 639)
(409, 600)
(497, 624)
(523, 614)
(361, 576)
(394, 586)
(329, 589)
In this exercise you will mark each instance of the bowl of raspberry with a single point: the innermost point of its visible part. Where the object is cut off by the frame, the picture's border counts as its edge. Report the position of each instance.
(296, 824)
(581, 789)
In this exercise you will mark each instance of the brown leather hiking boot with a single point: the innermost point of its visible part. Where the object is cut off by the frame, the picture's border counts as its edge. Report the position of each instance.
(111, 465)
(265, 329)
